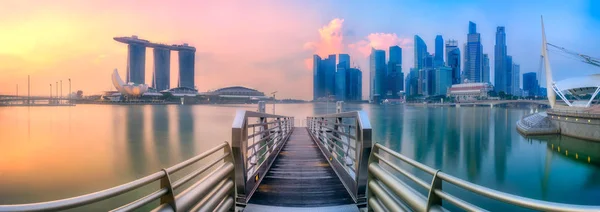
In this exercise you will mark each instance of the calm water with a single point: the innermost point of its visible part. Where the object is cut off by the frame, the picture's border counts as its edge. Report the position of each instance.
(48, 153)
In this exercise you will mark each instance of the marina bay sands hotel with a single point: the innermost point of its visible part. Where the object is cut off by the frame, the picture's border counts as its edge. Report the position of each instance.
(136, 62)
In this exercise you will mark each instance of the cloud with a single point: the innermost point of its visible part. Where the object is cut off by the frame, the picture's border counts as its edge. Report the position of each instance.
(379, 41)
(331, 39)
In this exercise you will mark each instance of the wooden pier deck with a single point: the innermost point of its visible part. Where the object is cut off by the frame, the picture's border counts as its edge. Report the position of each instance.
(301, 177)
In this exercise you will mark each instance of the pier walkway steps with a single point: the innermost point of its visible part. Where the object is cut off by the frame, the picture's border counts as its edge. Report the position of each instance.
(300, 177)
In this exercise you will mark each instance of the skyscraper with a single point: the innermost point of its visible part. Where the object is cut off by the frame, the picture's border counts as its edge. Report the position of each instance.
(377, 74)
(473, 55)
(530, 84)
(186, 68)
(516, 82)
(161, 77)
(438, 59)
(340, 81)
(354, 84)
(136, 63)
(453, 59)
(395, 77)
(442, 80)
(500, 66)
(485, 75)
(318, 78)
(420, 50)
(328, 65)
(509, 70)
(344, 60)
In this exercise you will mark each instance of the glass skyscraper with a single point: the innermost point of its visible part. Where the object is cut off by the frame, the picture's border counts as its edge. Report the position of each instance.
(329, 66)
(509, 71)
(186, 68)
(420, 51)
(354, 84)
(530, 84)
(340, 81)
(438, 59)
(473, 55)
(344, 60)
(485, 75)
(377, 74)
(501, 76)
(395, 77)
(453, 60)
(323, 76)
(516, 82)
(136, 63)
(161, 77)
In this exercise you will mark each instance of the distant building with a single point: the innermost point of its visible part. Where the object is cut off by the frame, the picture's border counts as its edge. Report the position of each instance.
(420, 52)
(354, 84)
(186, 68)
(161, 77)
(438, 59)
(234, 94)
(516, 73)
(485, 76)
(323, 76)
(501, 70)
(412, 83)
(469, 92)
(473, 56)
(509, 75)
(453, 60)
(395, 76)
(530, 84)
(442, 80)
(340, 82)
(377, 74)
(136, 63)
(344, 60)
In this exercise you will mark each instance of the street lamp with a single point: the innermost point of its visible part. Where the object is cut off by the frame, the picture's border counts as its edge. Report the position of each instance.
(69, 90)
(274, 101)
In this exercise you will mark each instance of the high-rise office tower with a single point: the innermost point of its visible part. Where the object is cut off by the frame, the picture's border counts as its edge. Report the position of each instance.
(516, 82)
(438, 59)
(509, 71)
(501, 76)
(329, 66)
(354, 84)
(473, 55)
(318, 78)
(412, 82)
(442, 80)
(453, 60)
(344, 60)
(340, 81)
(420, 52)
(136, 63)
(377, 74)
(161, 77)
(186, 68)
(530, 84)
(395, 78)
(485, 75)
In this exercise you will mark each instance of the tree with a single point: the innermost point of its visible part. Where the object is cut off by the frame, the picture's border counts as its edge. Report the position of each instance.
(502, 94)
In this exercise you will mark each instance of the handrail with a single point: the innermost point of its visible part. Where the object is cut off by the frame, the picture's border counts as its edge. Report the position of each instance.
(257, 138)
(345, 139)
(387, 192)
(182, 202)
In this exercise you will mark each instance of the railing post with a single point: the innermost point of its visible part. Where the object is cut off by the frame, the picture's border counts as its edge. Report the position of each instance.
(239, 148)
(169, 198)
(230, 159)
(432, 198)
(370, 177)
(363, 152)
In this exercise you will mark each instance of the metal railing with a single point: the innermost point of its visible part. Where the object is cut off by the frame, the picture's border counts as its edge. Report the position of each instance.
(214, 192)
(388, 193)
(573, 112)
(345, 139)
(257, 138)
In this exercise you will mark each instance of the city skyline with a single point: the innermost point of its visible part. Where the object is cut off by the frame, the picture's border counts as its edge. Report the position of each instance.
(44, 40)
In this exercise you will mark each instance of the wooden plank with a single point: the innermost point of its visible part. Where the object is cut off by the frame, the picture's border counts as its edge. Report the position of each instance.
(301, 177)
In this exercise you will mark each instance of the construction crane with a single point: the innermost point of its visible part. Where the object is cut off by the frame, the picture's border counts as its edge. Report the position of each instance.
(585, 58)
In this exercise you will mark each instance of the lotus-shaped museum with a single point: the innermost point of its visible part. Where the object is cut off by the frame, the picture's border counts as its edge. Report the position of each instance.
(128, 89)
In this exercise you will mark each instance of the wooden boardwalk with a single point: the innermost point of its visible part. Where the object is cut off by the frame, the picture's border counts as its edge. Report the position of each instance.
(301, 177)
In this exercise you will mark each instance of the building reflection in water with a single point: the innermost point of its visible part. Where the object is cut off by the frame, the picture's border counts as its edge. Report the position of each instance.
(187, 140)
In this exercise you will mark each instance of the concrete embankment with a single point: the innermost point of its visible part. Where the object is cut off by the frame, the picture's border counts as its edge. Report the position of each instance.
(584, 124)
(537, 124)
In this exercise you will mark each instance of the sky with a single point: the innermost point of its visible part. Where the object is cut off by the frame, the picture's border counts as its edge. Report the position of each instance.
(268, 45)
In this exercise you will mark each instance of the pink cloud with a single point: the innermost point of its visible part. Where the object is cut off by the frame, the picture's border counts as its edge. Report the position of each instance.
(330, 41)
(379, 41)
